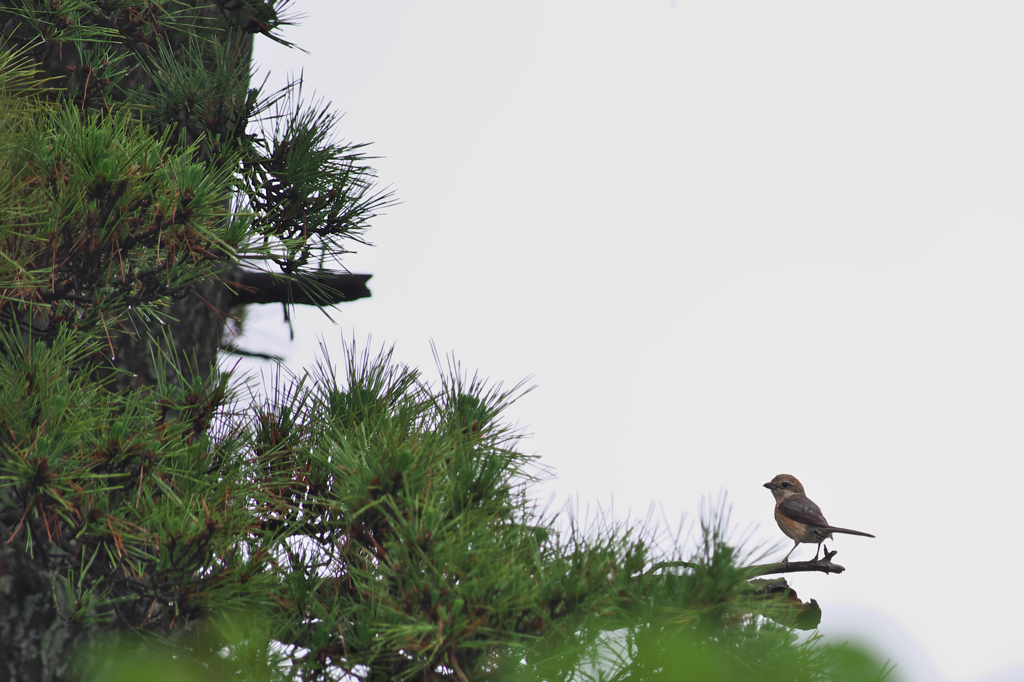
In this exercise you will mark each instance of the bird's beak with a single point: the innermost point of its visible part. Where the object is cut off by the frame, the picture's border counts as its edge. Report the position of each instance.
(769, 486)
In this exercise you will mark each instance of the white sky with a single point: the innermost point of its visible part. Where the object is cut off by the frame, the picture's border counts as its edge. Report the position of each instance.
(728, 240)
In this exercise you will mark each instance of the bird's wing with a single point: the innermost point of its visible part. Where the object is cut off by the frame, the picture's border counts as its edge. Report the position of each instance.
(800, 509)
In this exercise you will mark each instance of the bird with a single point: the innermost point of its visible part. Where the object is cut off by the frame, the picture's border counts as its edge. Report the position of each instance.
(798, 517)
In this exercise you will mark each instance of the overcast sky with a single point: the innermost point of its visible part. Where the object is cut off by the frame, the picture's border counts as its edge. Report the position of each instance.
(727, 240)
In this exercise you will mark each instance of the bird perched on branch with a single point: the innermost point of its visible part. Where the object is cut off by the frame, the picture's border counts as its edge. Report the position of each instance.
(798, 517)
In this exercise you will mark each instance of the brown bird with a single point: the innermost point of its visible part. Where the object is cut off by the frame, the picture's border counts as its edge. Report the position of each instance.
(798, 517)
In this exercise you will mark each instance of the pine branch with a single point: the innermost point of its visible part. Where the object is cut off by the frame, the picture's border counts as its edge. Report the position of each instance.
(322, 289)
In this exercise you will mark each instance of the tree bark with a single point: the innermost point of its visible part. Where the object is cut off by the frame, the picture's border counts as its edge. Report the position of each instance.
(34, 641)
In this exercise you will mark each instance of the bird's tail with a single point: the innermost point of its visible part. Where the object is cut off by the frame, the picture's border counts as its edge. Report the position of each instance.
(833, 529)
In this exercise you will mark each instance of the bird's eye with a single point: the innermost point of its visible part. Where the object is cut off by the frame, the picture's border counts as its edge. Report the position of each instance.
(786, 484)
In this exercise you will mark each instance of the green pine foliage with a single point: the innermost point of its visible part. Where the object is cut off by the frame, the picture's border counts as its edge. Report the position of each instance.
(360, 522)
(110, 217)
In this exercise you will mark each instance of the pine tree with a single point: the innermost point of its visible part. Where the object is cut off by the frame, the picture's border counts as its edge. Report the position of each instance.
(357, 521)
